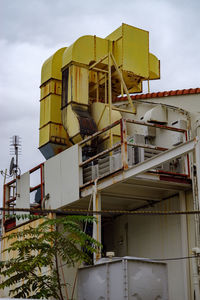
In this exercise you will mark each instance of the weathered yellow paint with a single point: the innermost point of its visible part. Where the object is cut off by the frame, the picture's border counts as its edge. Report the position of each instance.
(154, 67)
(83, 51)
(100, 113)
(54, 133)
(50, 110)
(135, 50)
(51, 87)
(51, 128)
(74, 69)
(52, 66)
(78, 85)
(70, 121)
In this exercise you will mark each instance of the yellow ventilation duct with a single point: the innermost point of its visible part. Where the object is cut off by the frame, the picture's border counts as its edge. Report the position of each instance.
(97, 70)
(53, 138)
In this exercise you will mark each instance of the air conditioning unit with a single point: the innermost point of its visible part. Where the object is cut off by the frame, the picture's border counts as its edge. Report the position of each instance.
(90, 173)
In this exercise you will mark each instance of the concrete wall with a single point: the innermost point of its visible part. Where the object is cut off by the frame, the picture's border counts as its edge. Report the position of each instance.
(158, 237)
(6, 243)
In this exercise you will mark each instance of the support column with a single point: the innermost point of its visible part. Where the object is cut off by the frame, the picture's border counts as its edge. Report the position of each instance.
(97, 224)
(196, 260)
(197, 157)
(184, 244)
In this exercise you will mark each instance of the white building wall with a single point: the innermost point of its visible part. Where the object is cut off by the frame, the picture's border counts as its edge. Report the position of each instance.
(159, 237)
(62, 180)
(23, 195)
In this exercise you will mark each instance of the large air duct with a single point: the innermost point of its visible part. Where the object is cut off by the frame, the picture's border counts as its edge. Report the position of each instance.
(89, 67)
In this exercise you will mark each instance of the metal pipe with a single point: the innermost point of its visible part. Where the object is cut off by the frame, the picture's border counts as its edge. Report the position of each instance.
(100, 70)
(91, 137)
(124, 154)
(97, 87)
(195, 278)
(123, 83)
(184, 246)
(99, 61)
(105, 211)
(11, 200)
(156, 125)
(122, 110)
(10, 182)
(97, 223)
(106, 89)
(134, 122)
(99, 155)
(197, 157)
(110, 96)
(35, 168)
(146, 146)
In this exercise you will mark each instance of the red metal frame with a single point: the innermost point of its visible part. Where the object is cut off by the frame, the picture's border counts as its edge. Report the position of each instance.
(124, 143)
(122, 122)
(11, 223)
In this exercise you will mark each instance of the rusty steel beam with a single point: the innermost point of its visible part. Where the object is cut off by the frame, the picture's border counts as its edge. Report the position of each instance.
(36, 168)
(91, 137)
(100, 212)
(124, 154)
(11, 182)
(35, 188)
(156, 125)
(146, 146)
(99, 155)
(11, 200)
(143, 166)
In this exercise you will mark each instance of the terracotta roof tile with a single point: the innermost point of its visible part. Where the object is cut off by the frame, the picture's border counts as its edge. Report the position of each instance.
(161, 94)
(173, 93)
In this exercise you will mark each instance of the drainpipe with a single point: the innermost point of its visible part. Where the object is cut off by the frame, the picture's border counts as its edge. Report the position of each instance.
(196, 252)
(97, 224)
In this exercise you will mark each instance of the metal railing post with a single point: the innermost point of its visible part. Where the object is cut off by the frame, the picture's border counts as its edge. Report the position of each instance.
(124, 154)
(97, 223)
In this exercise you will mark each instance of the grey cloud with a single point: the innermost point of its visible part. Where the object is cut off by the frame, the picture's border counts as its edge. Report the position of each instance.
(49, 22)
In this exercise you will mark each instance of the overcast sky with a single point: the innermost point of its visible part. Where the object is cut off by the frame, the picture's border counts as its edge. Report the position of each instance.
(32, 30)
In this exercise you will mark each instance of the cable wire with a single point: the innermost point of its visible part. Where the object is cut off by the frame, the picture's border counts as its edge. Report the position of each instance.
(101, 212)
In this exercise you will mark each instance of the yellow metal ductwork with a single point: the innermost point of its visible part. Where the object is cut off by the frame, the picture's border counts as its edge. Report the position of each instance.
(53, 138)
(95, 70)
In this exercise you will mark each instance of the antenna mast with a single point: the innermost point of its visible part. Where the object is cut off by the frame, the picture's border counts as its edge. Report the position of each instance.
(15, 144)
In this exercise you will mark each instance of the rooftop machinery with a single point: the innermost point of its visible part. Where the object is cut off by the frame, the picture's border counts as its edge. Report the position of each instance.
(134, 161)
(79, 83)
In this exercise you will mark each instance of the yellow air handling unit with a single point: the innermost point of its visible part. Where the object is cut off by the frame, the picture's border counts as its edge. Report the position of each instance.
(94, 72)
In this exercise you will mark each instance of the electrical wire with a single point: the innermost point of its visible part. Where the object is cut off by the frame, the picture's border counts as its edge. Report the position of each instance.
(69, 211)
(4, 174)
